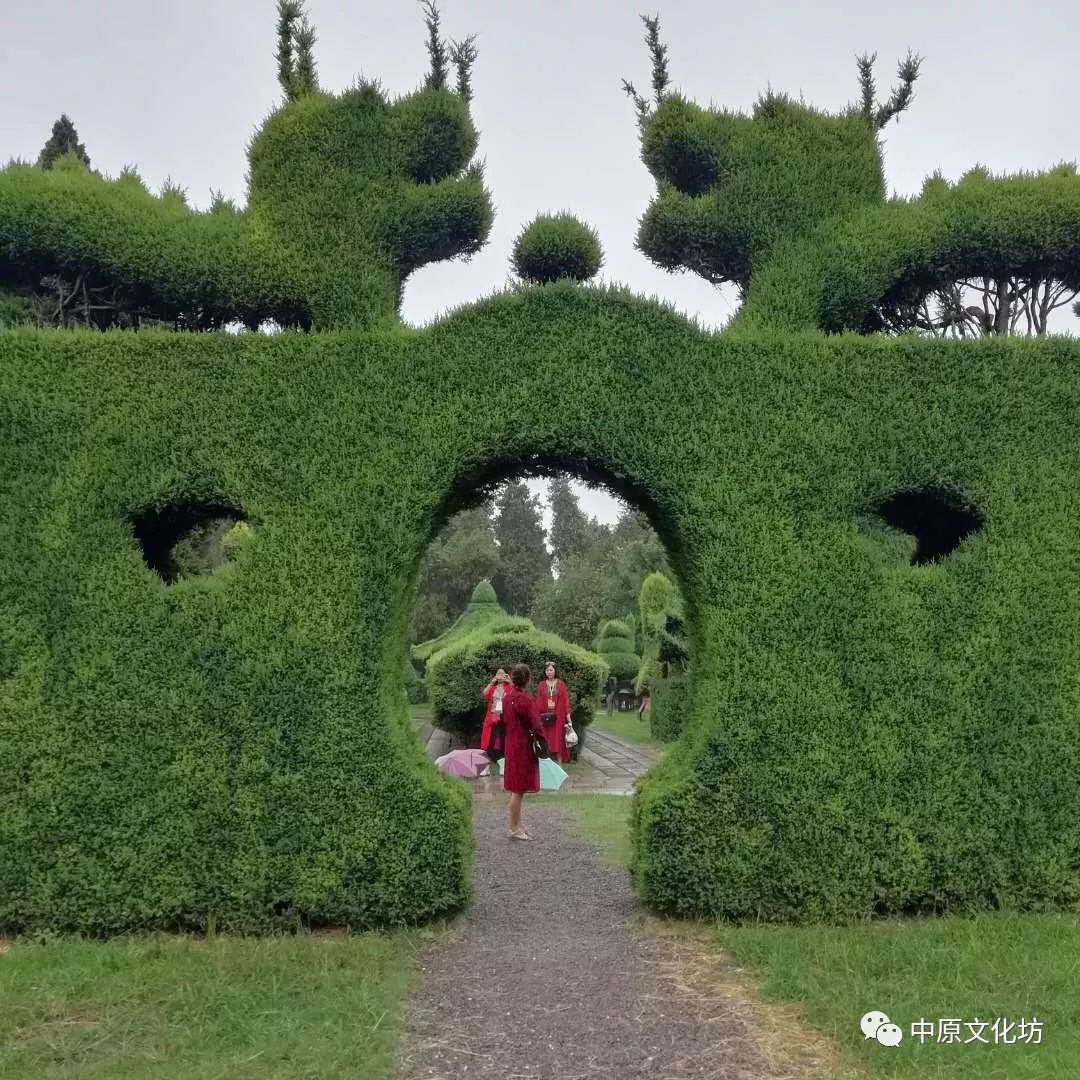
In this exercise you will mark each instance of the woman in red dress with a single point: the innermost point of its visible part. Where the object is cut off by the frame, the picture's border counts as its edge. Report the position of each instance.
(495, 694)
(521, 770)
(552, 697)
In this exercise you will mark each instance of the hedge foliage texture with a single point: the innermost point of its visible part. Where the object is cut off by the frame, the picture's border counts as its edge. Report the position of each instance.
(865, 734)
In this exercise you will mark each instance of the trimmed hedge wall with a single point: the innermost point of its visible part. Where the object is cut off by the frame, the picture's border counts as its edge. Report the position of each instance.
(458, 673)
(669, 707)
(867, 735)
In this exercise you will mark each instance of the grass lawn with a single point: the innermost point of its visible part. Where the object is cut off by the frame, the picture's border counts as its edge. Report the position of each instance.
(628, 726)
(310, 1007)
(600, 818)
(423, 711)
(978, 969)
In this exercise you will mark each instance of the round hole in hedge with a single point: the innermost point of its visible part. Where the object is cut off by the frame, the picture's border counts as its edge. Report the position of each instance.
(938, 519)
(190, 538)
(463, 626)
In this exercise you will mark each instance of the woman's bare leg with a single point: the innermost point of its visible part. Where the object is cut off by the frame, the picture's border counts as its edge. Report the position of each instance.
(515, 811)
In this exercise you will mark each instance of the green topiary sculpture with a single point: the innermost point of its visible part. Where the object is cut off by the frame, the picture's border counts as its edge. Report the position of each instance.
(348, 194)
(789, 204)
(616, 645)
(557, 246)
(483, 612)
(876, 538)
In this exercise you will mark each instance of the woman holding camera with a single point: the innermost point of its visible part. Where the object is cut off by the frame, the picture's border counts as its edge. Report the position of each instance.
(492, 736)
(521, 769)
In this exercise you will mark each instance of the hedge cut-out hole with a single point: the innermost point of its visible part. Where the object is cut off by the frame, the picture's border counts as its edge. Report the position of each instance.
(190, 539)
(937, 519)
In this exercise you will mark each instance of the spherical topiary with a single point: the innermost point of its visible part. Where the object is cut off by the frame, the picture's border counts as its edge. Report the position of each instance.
(555, 246)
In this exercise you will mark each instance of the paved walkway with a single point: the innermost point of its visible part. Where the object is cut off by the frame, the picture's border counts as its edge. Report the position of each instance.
(607, 763)
(553, 974)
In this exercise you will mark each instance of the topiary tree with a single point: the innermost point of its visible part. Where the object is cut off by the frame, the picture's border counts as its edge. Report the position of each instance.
(458, 673)
(789, 205)
(615, 644)
(348, 194)
(557, 246)
(669, 707)
(483, 613)
(654, 602)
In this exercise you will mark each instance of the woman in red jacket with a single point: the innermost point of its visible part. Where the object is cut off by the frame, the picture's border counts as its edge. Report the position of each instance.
(553, 700)
(495, 694)
(521, 769)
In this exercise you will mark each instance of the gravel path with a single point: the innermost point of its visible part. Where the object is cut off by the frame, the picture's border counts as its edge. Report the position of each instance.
(520, 991)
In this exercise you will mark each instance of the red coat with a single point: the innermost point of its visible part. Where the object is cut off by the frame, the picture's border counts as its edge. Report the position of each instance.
(521, 770)
(555, 733)
(492, 717)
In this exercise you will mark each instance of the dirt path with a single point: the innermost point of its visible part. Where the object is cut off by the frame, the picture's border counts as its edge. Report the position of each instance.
(552, 975)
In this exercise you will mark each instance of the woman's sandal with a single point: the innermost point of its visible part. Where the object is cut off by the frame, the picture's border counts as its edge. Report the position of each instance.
(521, 834)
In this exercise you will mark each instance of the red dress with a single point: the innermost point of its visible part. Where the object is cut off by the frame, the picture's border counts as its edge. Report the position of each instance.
(521, 770)
(492, 717)
(555, 733)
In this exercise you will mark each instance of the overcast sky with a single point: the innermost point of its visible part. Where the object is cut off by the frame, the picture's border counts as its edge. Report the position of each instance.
(178, 88)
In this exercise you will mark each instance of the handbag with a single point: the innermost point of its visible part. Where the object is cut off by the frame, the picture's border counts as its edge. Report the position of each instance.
(539, 745)
(547, 718)
(570, 735)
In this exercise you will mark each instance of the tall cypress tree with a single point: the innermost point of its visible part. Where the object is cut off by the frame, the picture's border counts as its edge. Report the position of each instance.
(524, 561)
(63, 140)
(572, 533)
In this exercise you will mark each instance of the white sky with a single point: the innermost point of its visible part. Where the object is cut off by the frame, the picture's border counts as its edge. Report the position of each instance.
(177, 89)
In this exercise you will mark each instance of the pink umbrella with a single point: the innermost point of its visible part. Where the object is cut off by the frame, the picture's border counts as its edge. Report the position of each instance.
(464, 763)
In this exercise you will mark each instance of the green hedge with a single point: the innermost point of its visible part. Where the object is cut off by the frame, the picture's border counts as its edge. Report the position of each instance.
(555, 246)
(866, 735)
(458, 673)
(669, 707)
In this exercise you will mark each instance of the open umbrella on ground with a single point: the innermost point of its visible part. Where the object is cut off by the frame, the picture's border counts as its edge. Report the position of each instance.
(467, 764)
(552, 775)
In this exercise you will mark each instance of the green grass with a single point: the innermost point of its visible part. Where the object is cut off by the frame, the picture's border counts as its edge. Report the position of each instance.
(627, 726)
(985, 968)
(602, 819)
(177, 1008)
(422, 711)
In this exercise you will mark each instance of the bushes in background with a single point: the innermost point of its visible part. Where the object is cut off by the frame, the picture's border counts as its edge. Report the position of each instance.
(458, 673)
(616, 645)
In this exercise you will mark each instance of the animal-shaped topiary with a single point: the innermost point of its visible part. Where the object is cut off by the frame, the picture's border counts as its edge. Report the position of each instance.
(348, 194)
(789, 204)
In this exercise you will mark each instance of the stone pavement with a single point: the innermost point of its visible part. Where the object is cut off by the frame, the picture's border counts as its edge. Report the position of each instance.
(607, 764)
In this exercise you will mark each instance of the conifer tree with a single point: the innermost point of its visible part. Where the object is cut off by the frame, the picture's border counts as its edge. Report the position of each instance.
(63, 140)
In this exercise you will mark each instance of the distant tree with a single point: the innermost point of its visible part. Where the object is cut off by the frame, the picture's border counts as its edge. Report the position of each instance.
(63, 140)
(572, 532)
(524, 560)
(576, 602)
(464, 553)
